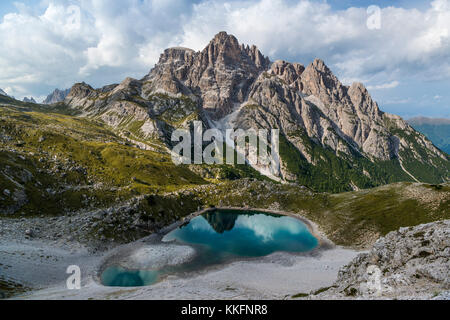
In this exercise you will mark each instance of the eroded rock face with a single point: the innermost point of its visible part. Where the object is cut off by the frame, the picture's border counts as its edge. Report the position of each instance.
(289, 72)
(219, 75)
(411, 262)
(56, 96)
(81, 96)
(318, 80)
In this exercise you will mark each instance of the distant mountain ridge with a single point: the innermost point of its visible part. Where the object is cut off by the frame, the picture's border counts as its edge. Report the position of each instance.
(56, 96)
(333, 137)
(3, 93)
(436, 129)
(29, 100)
(425, 120)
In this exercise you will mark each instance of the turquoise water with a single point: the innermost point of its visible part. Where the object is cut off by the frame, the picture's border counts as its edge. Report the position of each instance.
(246, 234)
(220, 236)
(120, 277)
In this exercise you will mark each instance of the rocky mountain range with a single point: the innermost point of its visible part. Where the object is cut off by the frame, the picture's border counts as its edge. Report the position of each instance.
(56, 96)
(94, 171)
(333, 137)
(29, 100)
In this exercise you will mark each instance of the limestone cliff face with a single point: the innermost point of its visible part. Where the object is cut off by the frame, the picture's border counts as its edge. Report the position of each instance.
(56, 96)
(219, 75)
(409, 263)
(351, 109)
(231, 85)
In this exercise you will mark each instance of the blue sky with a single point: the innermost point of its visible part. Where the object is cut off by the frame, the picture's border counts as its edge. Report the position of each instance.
(404, 61)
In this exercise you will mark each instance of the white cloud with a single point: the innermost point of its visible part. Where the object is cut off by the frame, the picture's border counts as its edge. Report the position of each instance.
(266, 227)
(124, 38)
(410, 42)
(114, 39)
(388, 85)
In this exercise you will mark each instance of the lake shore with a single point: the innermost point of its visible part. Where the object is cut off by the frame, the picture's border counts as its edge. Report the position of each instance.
(324, 242)
(278, 276)
(284, 274)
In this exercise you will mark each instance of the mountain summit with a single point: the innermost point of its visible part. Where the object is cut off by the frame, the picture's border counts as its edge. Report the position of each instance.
(29, 100)
(220, 75)
(56, 96)
(333, 137)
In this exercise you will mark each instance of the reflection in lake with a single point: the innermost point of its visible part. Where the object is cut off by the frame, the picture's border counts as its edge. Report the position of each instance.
(245, 234)
(220, 236)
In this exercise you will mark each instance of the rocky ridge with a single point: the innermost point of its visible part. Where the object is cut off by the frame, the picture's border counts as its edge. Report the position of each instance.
(230, 85)
(411, 263)
(29, 100)
(56, 96)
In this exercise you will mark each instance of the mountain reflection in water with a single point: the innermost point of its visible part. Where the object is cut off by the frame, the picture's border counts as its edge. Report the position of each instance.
(219, 236)
(242, 233)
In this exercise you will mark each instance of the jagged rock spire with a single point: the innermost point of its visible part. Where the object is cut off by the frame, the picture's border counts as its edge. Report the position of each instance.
(220, 75)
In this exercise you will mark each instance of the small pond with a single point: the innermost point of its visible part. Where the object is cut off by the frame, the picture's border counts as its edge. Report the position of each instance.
(220, 236)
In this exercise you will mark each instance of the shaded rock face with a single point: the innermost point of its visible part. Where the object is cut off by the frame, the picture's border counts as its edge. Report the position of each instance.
(56, 96)
(231, 85)
(29, 100)
(411, 261)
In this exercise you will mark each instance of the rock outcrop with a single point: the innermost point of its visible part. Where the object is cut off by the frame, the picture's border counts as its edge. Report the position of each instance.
(411, 263)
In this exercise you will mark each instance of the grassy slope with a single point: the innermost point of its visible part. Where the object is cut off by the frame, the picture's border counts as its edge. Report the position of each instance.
(62, 152)
(352, 218)
(63, 163)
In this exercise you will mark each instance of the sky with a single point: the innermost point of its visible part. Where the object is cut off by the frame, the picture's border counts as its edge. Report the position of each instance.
(401, 51)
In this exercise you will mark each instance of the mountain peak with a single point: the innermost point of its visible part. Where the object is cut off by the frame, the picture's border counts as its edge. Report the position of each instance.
(56, 96)
(223, 36)
(319, 80)
(320, 65)
(29, 100)
(225, 49)
(232, 85)
(80, 91)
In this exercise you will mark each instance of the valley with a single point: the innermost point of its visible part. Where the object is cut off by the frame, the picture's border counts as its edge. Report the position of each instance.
(91, 175)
